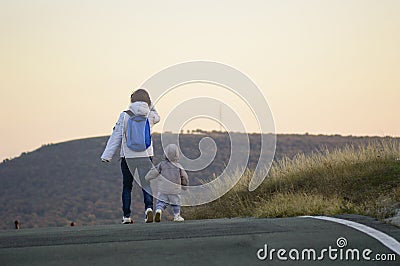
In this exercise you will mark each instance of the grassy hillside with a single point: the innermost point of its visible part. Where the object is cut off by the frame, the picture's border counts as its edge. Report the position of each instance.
(65, 182)
(362, 180)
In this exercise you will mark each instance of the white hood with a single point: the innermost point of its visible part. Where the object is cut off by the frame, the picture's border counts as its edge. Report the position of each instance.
(140, 108)
(172, 153)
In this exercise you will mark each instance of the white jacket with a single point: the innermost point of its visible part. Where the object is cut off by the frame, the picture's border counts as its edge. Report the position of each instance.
(117, 139)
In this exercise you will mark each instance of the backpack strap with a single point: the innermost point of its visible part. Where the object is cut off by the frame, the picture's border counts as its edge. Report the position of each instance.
(130, 113)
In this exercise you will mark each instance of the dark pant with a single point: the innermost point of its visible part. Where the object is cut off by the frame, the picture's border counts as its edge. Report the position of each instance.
(143, 165)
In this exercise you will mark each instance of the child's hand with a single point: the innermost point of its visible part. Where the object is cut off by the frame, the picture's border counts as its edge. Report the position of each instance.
(152, 174)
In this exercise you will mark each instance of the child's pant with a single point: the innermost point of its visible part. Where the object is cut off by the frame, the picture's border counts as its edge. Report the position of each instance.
(163, 200)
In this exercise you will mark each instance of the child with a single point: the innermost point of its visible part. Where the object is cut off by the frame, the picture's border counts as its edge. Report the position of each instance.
(171, 178)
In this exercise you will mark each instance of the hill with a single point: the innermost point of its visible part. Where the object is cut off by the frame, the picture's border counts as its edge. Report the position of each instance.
(363, 180)
(64, 182)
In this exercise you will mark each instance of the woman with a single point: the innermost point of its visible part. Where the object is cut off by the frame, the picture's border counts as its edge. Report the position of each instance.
(131, 160)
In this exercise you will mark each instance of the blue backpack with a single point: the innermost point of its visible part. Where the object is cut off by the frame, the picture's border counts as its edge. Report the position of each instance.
(138, 136)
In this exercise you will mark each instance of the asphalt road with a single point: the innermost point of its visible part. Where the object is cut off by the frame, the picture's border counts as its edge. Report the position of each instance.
(241, 241)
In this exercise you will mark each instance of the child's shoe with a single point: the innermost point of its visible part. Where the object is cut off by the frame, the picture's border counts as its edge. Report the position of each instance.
(178, 218)
(157, 217)
(149, 215)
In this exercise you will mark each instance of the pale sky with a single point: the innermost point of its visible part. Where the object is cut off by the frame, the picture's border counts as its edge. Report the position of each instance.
(67, 68)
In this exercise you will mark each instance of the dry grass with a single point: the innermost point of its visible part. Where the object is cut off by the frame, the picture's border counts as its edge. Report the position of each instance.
(360, 180)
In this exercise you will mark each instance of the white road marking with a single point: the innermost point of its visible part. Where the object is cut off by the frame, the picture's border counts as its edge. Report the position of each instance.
(385, 239)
